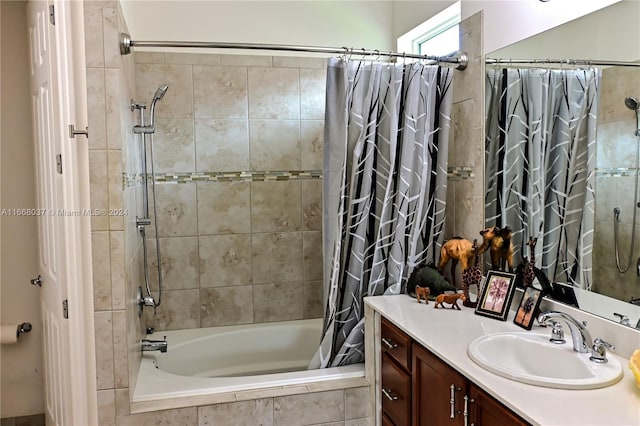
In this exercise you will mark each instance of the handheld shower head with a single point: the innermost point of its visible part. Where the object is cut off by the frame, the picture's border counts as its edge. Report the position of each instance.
(162, 90)
(632, 103)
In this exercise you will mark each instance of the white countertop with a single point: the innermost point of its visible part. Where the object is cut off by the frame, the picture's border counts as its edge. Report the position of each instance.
(448, 332)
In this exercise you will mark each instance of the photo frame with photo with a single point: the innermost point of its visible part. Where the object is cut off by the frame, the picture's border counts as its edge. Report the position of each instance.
(495, 298)
(528, 307)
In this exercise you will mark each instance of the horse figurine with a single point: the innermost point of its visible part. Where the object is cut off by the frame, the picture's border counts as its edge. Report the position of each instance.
(452, 299)
(422, 292)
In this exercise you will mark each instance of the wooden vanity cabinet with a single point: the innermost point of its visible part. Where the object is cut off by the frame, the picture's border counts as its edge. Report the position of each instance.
(395, 375)
(420, 389)
(485, 410)
(438, 390)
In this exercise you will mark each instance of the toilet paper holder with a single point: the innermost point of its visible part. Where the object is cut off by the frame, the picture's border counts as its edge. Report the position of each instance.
(25, 327)
(10, 333)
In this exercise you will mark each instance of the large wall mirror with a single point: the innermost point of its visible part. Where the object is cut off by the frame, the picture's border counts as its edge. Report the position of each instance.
(610, 123)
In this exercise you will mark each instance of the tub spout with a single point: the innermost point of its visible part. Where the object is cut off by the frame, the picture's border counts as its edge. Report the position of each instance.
(154, 345)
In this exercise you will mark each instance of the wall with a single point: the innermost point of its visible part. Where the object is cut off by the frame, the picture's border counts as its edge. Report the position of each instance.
(588, 37)
(509, 21)
(238, 163)
(317, 23)
(115, 245)
(615, 176)
(21, 364)
(407, 15)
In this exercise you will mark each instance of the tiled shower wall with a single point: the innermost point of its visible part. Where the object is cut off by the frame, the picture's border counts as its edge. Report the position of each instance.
(615, 176)
(465, 186)
(115, 244)
(238, 160)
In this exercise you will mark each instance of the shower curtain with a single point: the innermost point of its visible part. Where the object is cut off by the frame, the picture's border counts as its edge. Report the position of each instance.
(385, 176)
(540, 165)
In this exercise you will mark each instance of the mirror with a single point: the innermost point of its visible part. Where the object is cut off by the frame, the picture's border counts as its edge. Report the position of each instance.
(609, 34)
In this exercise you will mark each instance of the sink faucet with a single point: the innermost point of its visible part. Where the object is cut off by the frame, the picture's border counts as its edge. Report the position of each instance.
(624, 320)
(154, 345)
(581, 337)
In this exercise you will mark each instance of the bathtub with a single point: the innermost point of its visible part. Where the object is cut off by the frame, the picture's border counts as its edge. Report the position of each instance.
(234, 363)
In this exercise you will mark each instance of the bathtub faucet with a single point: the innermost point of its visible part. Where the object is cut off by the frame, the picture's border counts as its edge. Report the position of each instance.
(154, 345)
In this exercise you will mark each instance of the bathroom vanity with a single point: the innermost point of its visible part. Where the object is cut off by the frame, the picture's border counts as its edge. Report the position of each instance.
(419, 388)
(421, 374)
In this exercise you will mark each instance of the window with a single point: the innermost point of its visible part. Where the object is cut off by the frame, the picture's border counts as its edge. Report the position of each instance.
(437, 36)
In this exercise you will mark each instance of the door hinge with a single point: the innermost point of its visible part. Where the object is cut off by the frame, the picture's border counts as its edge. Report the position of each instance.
(52, 14)
(59, 163)
(65, 309)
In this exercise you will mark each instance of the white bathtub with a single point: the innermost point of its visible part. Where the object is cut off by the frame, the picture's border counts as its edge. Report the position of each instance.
(234, 363)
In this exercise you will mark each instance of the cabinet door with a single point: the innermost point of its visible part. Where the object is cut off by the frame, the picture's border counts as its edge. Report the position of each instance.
(396, 392)
(438, 390)
(484, 410)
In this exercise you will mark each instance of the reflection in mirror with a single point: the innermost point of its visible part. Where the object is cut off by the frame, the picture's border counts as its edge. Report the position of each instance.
(561, 154)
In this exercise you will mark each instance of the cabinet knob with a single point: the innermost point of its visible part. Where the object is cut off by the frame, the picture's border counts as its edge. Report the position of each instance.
(389, 343)
(389, 394)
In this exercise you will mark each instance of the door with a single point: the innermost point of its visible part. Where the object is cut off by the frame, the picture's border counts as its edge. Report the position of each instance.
(438, 391)
(64, 254)
(486, 411)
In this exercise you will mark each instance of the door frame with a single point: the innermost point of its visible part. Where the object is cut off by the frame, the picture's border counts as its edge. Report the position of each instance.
(72, 81)
(67, 73)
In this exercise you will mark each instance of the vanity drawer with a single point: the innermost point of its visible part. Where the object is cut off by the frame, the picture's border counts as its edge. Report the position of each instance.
(396, 392)
(396, 344)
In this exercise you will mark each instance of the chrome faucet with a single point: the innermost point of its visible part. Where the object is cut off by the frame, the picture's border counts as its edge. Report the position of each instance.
(624, 320)
(154, 345)
(581, 337)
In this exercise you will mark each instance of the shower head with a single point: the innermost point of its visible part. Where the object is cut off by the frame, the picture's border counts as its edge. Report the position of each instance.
(634, 105)
(162, 90)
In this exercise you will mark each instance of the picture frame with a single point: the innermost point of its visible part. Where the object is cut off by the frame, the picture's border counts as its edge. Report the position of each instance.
(496, 294)
(528, 307)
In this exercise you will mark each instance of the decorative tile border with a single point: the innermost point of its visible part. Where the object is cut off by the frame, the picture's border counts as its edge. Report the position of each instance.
(130, 180)
(615, 172)
(460, 173)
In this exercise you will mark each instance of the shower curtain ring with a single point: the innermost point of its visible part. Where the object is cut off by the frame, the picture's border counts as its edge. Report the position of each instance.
(344, 54)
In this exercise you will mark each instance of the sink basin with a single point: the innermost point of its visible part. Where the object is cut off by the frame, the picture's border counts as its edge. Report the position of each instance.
(530, 358)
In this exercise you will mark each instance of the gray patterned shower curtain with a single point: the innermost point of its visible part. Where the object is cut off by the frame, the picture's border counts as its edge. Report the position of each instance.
(385, 176)
(540, 165)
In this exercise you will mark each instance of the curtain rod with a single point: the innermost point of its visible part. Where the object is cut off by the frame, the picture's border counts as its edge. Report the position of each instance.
(126, 44)
(586, 62)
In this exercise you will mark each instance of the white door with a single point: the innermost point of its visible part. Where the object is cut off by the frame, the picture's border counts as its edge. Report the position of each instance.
(63, 233)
